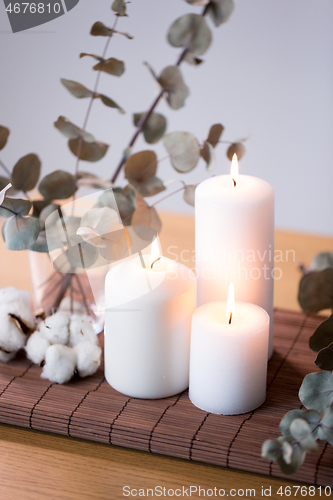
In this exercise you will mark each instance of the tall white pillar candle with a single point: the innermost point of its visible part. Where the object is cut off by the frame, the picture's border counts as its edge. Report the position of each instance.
(228, 362)
(147, 327)
(234, 241)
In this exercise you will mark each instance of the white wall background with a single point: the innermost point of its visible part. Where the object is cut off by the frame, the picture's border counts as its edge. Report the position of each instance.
(269, 72)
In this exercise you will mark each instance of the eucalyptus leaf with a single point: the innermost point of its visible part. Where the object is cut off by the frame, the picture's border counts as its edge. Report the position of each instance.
(325, 432)
(38, 206)
(215, 133)
(295, 461)
(236, 148)
(14, 206)
(26, 173)
(97, 218)
(208, 154)
(316, 290)
(171, 80)
(77, 89)
(40, 244)
(220, 10)
(316, 392)
(88, 180)
(119, 6)
(47, 211)
(4, 133)
(189, 193)
(72, 131)
(81, 254)
(287, 452)
(322, 261)
(271, 449)
(312, 417)
(301, 431)
(122, 199)
(190, 31)
(112, 66)
(99, 29)
(140, 170)
(20, 233)
(110, 103)
(154, 128)
(85, 54)
(91, 236)
(323, 336)
(116, 244)
(183, 149)
(59, 185)
(146, 216)
(324, 360)
(89, 151)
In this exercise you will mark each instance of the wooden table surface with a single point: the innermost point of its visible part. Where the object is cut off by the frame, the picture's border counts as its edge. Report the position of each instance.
(35, 465)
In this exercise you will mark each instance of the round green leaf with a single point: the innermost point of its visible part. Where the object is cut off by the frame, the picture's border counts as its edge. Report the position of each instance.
(4, 133)
(72, 131)
(110, 103)
(96, 218)
(295, 460)
(236, 148)
(322, 261)
(316, 392)
(76, 89)
(325, 432)
(301, 431)
(89, 151)
(145, 215)
(191, 31)
(38, 206)
(324, 360)
(140, 166)
(271, 449)
(323, 336)
(99, 29)
(316, 290)
(112, 66)
(154, 128)
(26, 173)
(11, 206)
(215, 133)
(122, 199)
(183, 149)
(58, 185)
(20, 233)
(119, 6)
(172, 82)
(189, 193)
(220, 10)
(208, 154)
(310, 416)
(40, 244)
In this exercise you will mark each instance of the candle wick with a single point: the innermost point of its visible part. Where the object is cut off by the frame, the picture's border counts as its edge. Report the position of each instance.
(234, 182)
(230, 318)
(151, 267)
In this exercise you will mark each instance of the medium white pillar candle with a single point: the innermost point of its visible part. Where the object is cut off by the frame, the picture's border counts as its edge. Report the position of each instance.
(234, 241)
(228, 362)
(147, 327)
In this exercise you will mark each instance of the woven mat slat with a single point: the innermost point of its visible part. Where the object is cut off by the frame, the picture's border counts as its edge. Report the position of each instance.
(91, 409)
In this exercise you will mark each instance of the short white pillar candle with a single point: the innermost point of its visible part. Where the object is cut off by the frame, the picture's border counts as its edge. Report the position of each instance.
(228, 362)
(147, 327)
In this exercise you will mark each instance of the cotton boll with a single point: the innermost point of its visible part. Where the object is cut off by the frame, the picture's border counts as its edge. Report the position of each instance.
(17, 302)
(11, 336)
(60, 362)
(81, 329)
(88, 358)
(36, 347)
(55, 328)
(7, 356)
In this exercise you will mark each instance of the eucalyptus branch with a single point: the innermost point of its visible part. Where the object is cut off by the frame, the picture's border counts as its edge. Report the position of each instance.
(146, 115)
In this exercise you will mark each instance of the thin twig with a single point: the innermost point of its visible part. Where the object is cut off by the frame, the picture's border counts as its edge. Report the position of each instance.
(168, 196)
(62, 291)
(83, 294)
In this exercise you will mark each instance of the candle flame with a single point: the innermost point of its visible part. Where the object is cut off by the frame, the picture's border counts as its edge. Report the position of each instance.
(234, 169)
(155, 253)
(230, 303)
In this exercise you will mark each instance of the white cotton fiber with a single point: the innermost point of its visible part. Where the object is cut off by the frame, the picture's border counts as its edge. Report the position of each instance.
(60, 362)
(55, 328)
(7, 356)
(81, 329)
(88, 358)
(16, 302)
(11, 336)
(36, 347)
(78, 307)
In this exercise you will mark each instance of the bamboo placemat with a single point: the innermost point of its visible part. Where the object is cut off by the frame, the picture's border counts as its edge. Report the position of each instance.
(91, 409)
